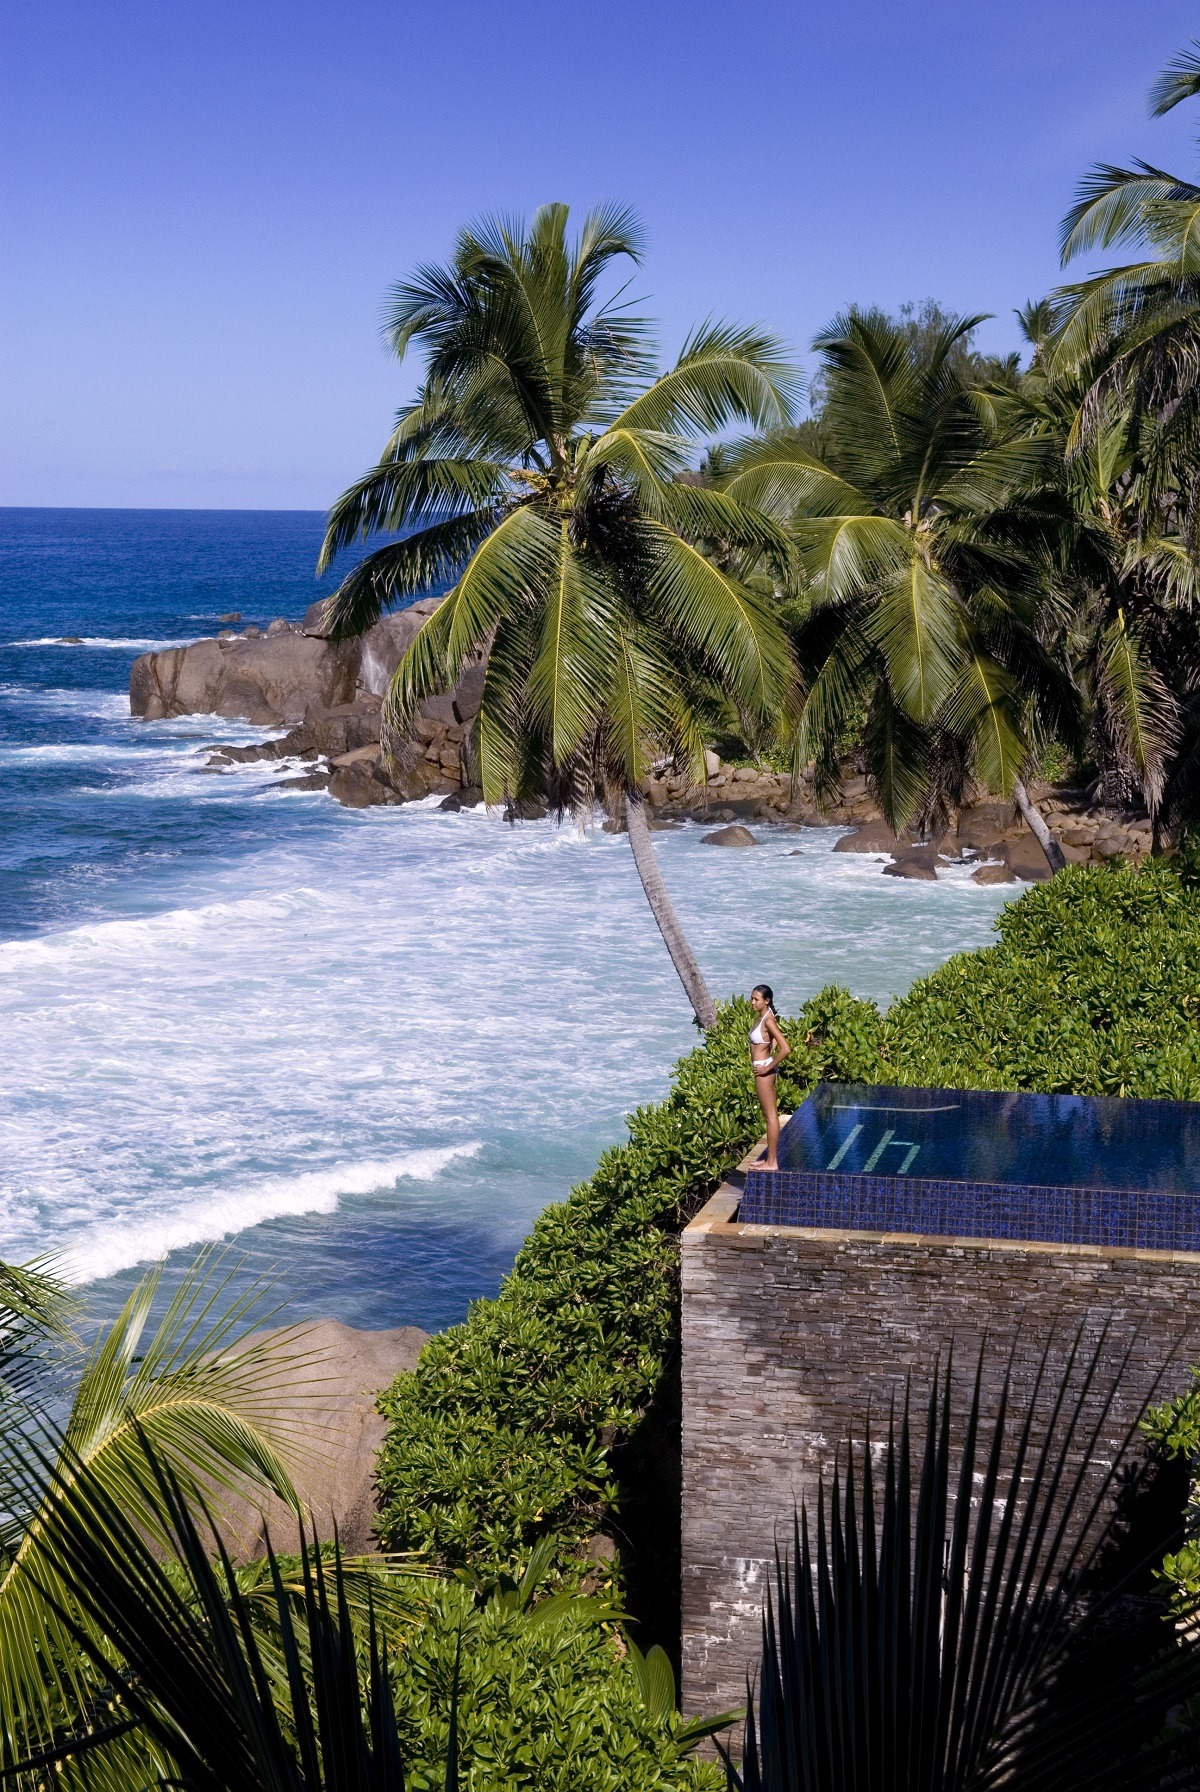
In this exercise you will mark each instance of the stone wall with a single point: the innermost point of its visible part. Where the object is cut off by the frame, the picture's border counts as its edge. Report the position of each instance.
(790, 1336)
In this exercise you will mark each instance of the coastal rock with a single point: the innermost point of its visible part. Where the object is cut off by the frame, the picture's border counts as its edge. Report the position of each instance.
(1025, 857)
(984, 825)
(331, 695)
(730, 836)
(873, 836)
(993, 874)
(468, 798)
(268, 679)
(383, 646)
(917, 863)
(322, 1390)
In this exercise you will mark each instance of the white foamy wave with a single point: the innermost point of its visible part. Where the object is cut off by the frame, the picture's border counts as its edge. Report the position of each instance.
(120, 643)
(129, 939)
(89, 753)
(106, 1249)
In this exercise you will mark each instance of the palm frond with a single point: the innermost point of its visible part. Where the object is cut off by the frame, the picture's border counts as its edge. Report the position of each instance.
(897, 753)
(567, 679)
(929, 1630)
(400, 497)
(984, 708)
(209, 1403)
(1139, 711)
(183, 1655)
(1179, 81)
(1110, 206)
(725, 623)
(844, 556)
(918, 625)
(724, 375)
(417, 566)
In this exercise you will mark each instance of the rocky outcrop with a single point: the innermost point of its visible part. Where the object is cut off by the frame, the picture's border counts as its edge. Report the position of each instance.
(268, 679)
(331, 695)
(992, 835)
(320, 1393)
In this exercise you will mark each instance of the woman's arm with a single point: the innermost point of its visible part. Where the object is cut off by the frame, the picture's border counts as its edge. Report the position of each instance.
(779, 1045)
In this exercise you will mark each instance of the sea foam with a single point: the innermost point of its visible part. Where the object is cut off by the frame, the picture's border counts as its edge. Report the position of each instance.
(116, 1244)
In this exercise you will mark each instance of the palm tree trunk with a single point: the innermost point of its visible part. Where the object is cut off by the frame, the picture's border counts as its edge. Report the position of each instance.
(1055, 857)
(663, 910)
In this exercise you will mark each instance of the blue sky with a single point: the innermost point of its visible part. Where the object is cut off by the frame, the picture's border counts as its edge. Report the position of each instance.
(204, 204)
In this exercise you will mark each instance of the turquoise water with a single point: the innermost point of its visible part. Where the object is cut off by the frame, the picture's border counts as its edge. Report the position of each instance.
(364, 1046)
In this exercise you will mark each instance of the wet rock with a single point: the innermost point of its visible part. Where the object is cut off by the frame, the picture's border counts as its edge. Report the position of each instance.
(230, 616)
(469, 798)
(873, 836)
(1025, 857)
(306, 781)
(359, 786)
(730, 836)
(916, 863)
(993, 874)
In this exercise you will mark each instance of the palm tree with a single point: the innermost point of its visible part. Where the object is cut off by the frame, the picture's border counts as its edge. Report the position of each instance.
(1121, 590)
(1122, 362)
(915, 523)
(193, 1389)
(537, 470)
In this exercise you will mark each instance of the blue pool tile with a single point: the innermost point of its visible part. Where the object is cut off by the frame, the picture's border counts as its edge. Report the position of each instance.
(977, 1164)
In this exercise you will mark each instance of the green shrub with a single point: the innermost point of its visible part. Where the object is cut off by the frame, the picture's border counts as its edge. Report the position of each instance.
(548, 1699)
(505, 1431)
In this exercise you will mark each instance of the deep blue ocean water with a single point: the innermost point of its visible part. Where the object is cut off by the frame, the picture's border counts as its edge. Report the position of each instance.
(366, 1047)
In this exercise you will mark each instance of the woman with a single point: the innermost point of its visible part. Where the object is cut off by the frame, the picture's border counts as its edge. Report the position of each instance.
(768, 1049)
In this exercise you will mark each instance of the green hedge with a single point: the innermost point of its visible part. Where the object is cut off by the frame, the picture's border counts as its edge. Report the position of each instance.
(506, 1430)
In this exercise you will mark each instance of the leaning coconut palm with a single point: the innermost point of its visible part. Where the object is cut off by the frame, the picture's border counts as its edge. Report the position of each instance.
(194, 1388)
(915, 516)
(537, 473)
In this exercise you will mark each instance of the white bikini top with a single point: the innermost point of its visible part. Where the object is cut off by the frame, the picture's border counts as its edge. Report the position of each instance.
(757, 1036)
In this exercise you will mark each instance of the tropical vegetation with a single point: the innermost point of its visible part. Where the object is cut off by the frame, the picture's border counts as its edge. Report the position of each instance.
(538, 469)
(954, 571)
(526, 1476)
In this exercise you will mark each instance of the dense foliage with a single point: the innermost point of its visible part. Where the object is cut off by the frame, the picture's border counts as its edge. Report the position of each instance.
(506, 1431)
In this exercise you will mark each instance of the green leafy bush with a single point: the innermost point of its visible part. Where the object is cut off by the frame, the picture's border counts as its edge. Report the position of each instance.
(505, 1432)
(549, 1699)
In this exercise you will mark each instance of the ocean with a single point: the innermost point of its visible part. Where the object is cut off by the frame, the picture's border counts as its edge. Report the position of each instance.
(363, 1048)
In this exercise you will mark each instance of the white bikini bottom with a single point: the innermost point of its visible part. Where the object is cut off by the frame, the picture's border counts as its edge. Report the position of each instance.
(763, 1069)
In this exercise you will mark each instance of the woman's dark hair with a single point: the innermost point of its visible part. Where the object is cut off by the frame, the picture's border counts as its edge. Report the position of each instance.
(766, 992)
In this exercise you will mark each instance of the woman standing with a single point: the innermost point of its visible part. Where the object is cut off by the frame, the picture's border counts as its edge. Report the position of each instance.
(768, 1049)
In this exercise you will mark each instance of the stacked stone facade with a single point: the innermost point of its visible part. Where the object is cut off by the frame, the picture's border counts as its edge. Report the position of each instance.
(791, 1337)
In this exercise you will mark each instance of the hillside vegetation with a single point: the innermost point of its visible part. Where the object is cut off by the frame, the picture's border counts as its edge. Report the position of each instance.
(538, 1415)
